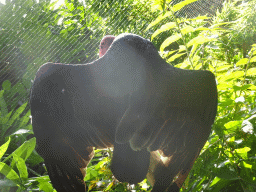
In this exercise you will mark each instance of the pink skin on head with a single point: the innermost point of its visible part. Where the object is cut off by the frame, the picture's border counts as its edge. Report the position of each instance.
(105, 44)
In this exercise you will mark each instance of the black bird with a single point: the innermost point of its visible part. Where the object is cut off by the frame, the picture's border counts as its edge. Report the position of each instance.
(129, 99)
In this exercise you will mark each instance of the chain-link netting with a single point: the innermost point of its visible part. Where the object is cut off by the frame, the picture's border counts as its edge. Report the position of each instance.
(200, 7)
(35, 32)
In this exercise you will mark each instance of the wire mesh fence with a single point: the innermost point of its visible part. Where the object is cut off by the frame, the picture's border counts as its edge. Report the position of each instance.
(199, 8)
(34, 32)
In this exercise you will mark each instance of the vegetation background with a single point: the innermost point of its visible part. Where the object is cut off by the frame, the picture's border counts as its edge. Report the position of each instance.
(219, 36)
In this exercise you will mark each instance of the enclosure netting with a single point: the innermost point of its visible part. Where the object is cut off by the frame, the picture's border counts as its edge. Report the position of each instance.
(18, 53)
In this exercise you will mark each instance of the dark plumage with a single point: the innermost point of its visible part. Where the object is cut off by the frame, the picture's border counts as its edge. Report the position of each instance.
(131, 99)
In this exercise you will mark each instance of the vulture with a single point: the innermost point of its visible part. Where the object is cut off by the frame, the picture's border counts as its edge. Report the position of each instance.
(155, 116)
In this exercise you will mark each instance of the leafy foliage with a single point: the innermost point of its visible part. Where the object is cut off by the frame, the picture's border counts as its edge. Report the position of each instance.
(32, 33)
(227, 162)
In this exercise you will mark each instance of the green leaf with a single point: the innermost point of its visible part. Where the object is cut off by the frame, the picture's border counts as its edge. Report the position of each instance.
(253, 59)
(45, 186)
(199, 40)
(180, 5)
(87, 176)
(169, 41)
(7, 85)
(182, 48)
(217, 184)
(8, 172)
(243, 61)
(110, 186)
(25, 119)
(70, 6)
(243, 152)
(20, 163)
(175, 8)
(44, 183)
(247, 174)
(4, 147)
(168, 53)
(215, 180)
(183, 65)
(158, 19)
(172, 58)
(17, 113)
(233, 75)
(224, 86)
(6, 119)
(220, 24)
(244, 87)
(199, 184)
(253, 111)
(226, 173)
(194, 48)
(251, 71)
(24, 150)
(187, 29)
(202, 28)
(246, 165)
(94, 172)
(163, 28)
(3, 106)
(231, 126)
(223, 68)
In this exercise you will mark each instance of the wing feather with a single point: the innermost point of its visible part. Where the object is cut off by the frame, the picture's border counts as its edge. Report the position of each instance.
(130, 98)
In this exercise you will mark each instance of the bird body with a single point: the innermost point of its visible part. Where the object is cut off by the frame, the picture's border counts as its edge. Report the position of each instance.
(129, 99)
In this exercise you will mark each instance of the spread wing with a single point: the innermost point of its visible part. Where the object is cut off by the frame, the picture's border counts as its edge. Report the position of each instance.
(131, 99)
(61, 141)
(172, 111)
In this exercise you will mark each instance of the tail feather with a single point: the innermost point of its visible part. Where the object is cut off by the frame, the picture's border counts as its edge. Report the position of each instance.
(128, 165)
(64, 179)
